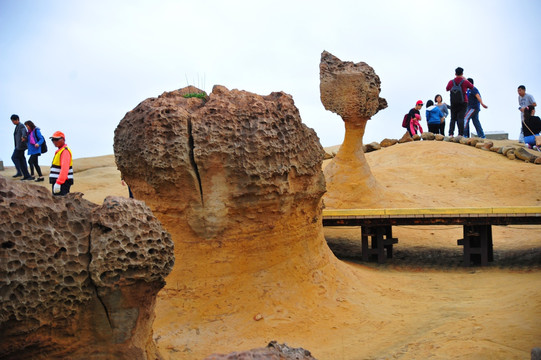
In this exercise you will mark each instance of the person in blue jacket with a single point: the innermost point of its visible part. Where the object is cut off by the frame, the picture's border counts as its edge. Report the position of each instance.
(434, 117)
(474, 102)
(35, 139)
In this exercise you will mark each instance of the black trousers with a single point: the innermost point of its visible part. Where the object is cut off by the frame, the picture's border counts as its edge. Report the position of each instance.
(457, 117)
(33, 162)
(64, 189)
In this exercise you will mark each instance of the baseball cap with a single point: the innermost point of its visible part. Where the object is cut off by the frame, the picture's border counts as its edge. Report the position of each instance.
(57, 135)
(419, 102)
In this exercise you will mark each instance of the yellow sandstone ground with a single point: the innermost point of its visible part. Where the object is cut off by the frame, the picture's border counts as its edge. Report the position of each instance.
(417, 306)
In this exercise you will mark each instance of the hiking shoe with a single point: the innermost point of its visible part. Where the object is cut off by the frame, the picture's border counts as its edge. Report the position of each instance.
(17, 175)
(39, 179)
(28, 178)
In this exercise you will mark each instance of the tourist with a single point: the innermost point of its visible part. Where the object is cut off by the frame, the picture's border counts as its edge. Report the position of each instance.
(531, 127)
(444, 110)
(411, 116)
(35, 140)
(459, 101)
(20, 137)
(434, 117)
(474, 102)
(415, 125)
(524, 100)
(61, 174)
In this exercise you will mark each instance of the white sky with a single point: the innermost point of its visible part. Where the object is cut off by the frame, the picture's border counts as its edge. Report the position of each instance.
(79, 66)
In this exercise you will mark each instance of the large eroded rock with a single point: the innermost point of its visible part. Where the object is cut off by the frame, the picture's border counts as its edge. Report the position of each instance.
(236, 179)
(78, 280)
(350, 90)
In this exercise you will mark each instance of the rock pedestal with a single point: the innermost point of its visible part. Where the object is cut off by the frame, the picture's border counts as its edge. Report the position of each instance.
(236, 179)
(351, 91)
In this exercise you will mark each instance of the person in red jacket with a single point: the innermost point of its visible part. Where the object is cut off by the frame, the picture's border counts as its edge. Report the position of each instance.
(61, 173)
(459, 105)
(415, 125)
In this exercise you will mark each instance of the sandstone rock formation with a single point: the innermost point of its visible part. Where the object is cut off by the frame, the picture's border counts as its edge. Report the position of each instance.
(351, 91)
(236, 179)
(78, 280)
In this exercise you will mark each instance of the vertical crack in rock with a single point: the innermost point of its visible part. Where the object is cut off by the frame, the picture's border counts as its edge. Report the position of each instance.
(192, 160)
(93, 284)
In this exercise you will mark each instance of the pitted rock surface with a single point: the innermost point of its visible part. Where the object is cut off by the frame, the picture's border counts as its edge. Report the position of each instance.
(213, 159)
(128, 244)
(69, 270)
(350, 90)
(236, 179)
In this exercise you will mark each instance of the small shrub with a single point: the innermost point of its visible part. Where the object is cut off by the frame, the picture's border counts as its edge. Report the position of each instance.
(196, 95)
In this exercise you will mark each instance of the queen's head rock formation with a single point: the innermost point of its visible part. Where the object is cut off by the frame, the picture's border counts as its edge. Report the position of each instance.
(350, 90)
(78, 280)
(236, 179)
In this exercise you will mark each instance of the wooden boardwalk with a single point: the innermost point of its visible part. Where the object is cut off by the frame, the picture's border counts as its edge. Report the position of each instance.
(376, 226)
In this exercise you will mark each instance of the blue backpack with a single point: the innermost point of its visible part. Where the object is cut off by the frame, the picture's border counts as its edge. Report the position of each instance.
(457, 96)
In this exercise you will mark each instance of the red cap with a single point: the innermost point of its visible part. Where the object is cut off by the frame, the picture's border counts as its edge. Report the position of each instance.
(58, 134)
(419, 102)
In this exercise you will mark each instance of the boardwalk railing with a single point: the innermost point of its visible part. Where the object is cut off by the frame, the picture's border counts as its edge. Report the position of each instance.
(376, 225)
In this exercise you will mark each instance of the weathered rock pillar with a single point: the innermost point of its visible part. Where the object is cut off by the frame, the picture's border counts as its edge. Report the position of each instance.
(236, 179)
(351, 91)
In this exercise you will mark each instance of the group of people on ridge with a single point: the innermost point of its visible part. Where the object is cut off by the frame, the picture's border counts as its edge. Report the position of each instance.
(466, 103)
(29, 137)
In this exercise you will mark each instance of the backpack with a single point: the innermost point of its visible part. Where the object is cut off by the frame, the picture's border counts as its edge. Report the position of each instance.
(44, 147)
(405, 121)
(43, 144)
(457, 97)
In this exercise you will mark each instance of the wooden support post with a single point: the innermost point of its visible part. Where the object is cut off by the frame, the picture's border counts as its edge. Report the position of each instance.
(477, 242)
(381, 240)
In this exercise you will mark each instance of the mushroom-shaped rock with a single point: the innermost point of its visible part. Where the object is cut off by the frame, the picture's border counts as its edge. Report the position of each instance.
(78, 280)
(236, 179)
(350, 90)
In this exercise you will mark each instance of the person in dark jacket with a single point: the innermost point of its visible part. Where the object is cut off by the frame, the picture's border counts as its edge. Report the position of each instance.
(20, 137)
(411, 116)
(531, 126)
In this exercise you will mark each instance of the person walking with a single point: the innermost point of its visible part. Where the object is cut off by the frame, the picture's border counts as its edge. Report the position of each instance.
(444, 110)
(35, 140)
(524, 100)
(434, 117)
(20, 136)
(61, 174)
(459, 101)
(474, 106)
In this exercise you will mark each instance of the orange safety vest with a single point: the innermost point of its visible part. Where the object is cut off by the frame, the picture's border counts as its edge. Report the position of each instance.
(54, 173)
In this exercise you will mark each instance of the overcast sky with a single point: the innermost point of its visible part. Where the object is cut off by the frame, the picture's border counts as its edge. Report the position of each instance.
(79, 66)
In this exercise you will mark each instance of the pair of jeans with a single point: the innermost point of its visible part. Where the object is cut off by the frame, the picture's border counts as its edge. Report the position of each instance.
(20, 162)
(473, 114)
